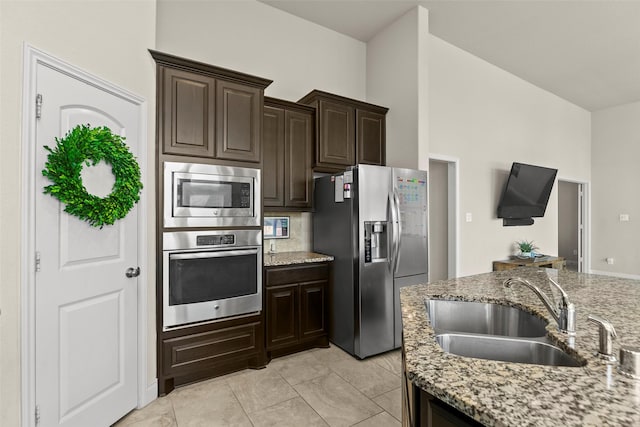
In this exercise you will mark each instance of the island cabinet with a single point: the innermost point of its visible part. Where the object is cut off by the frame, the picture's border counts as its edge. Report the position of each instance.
(208, 112)
(296, 308)
(348, 131)
(420, 409)
(287, 140)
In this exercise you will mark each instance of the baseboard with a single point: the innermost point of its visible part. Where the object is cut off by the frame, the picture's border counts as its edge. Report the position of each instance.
(149, 395)
(614, 274)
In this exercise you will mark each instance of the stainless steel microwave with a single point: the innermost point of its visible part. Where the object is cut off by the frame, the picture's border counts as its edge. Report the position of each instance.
(201, 195)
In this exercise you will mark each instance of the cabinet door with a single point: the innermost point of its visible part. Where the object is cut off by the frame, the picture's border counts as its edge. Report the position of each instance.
(298, 158)
(239, 122)
(273, 170)
(282, 313)
(336, 142)
(313, 309)
(187, 115)
(370, 131)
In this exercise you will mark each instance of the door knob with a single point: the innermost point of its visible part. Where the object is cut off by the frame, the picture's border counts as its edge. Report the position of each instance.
(132, 272)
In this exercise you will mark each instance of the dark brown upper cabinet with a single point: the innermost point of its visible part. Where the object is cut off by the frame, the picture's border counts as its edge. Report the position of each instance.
(239, 121)
(273, 156)
(287, 138)
(208, 111)
(348, 131)
(188, 107)
(371, 131)
(336, 142)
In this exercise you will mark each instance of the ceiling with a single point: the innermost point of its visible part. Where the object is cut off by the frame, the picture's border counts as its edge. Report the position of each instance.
(585, 51)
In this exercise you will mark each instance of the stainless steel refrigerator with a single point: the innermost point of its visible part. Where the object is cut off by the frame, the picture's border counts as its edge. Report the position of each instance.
(373, 220)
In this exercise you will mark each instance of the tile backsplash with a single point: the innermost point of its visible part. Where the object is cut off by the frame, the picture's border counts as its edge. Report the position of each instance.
(300, 233)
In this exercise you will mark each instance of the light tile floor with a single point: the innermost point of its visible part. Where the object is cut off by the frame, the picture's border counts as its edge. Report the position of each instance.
(319, 387)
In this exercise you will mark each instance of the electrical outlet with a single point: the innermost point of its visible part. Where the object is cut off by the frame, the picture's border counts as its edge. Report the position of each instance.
(624, 217)
(469, 217)
(609, 261)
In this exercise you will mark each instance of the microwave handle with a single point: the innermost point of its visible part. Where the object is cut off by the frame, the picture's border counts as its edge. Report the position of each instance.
(213, 254)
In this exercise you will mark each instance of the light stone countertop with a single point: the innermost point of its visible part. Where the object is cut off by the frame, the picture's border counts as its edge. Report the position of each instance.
(513, 394)
(288, 258)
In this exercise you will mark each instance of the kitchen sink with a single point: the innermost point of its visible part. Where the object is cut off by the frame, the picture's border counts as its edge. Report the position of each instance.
(494, 332)
(483, 318)
(516, 350)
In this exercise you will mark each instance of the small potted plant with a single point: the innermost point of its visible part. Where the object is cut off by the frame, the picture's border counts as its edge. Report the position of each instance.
(526, 248)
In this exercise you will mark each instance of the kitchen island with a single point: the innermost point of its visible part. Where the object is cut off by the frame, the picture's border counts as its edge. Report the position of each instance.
(495, 393)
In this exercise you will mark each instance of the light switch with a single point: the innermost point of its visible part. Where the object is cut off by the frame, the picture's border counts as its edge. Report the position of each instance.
(624, 217)
(469, 217)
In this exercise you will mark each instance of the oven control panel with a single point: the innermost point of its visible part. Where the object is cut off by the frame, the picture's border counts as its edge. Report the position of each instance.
(211, 239)
(216, 240)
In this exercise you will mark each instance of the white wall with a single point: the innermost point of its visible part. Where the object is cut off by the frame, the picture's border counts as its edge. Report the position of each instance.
(257, 39)
(106, 38)
(616, 178)
(397, 78)
(488, 119)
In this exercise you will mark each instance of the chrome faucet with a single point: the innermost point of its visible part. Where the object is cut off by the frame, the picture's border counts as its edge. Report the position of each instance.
(565, 314)
(606, 335)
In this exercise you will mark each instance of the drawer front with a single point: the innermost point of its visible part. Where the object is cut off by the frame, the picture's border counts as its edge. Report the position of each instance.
(296, 274)
(190, 353)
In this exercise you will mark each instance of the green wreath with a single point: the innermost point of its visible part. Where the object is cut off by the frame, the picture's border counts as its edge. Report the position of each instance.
(88, 146)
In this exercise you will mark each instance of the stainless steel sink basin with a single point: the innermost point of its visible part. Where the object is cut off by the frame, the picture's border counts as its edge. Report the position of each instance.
(516, 350)
(483, 318)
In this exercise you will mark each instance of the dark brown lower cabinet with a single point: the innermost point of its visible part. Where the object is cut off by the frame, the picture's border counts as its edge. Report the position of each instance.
(420, 409)
(295, 306)
(204, 351)
(282, 312)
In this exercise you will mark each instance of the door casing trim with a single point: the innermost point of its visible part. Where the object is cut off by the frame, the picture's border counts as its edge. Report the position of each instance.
(32, 57)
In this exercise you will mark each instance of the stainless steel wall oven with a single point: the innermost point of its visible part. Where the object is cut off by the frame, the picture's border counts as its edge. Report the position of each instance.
(202, 195)
(209, 275)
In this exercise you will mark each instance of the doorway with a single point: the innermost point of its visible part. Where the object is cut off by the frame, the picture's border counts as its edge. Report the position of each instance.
(443, 217)
(572, 211)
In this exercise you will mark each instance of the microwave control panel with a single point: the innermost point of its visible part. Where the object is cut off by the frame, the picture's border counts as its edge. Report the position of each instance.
(245, 195)
(216, 240)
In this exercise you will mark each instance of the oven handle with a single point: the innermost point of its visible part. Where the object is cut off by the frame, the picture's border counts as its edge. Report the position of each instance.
(213, 254)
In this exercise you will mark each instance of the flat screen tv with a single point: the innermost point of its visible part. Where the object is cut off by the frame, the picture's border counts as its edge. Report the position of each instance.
(526, 194)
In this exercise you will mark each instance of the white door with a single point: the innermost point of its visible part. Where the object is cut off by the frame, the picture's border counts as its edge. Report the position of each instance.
(86, 308)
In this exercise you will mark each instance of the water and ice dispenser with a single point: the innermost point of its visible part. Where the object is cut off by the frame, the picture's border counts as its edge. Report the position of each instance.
(375, 241)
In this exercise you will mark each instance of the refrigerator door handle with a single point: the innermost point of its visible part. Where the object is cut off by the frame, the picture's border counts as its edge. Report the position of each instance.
(392, 220)
(397, 232)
